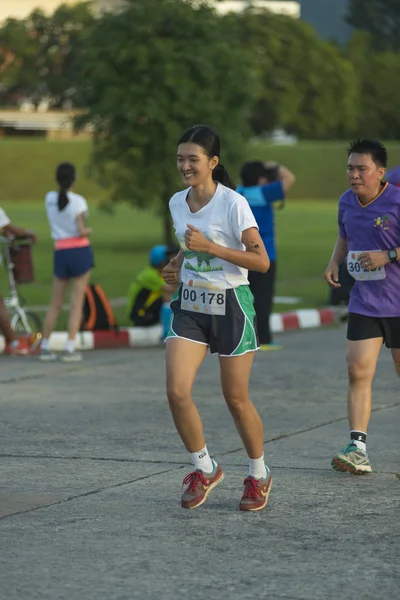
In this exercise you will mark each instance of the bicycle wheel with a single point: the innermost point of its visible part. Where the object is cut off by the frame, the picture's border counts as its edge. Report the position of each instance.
(28, 323)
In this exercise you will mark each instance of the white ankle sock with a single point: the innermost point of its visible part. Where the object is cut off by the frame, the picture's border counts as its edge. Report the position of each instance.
(44, 344)
(359, 438)
(361, 445)
(202, 460)
(257, 468)
(69, 346)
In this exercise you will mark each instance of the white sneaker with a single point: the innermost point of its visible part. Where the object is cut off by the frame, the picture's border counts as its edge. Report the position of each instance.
(47, 355)
(71, 357)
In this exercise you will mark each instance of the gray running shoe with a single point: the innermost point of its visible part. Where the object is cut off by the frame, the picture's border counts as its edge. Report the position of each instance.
(71, 357)
(47, 355)
(352, 459)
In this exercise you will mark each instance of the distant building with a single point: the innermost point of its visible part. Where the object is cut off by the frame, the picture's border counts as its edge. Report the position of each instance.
(283, 7)
(286, 7)
(50, 124)
(19, 9)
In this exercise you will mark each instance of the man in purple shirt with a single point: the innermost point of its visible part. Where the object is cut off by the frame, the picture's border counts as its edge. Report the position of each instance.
(369, 237)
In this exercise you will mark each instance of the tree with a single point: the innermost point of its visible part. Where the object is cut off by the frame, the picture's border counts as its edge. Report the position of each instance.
(307, 87)
(381, 18)
(61, 40)
(152, 71)
(379, 82)
(41, 56)
(17, 58)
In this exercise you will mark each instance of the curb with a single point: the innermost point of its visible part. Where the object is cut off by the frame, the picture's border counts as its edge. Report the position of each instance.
(305, 319)
(145, 337)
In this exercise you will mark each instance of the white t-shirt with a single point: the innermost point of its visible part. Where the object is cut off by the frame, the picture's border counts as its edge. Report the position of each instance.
(222, 221)
(63, 222)
(4, 220)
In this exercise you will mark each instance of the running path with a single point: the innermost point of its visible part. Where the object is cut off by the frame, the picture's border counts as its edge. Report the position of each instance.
(91, 470)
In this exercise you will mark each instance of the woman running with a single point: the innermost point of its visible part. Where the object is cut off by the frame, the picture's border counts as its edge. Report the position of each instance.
(213, 309)
(73, 259)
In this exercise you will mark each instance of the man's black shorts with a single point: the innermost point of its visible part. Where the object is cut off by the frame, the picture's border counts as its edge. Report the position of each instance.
(361, 327)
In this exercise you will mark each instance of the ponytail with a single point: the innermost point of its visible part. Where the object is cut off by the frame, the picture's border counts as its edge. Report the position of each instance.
(221, 175)
(65, 176)
(62, 199)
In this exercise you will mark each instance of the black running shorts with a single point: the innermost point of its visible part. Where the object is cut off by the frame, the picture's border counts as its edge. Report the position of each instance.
(361, 327)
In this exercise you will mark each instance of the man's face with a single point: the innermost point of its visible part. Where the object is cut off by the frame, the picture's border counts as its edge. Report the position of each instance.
(363, 174)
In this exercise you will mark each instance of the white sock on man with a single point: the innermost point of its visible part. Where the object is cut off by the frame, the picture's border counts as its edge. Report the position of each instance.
(69, 346)
(257, 468)
(202, 461)
(45, 344)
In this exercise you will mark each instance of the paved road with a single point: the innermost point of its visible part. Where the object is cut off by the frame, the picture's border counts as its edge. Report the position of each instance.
(91, 469)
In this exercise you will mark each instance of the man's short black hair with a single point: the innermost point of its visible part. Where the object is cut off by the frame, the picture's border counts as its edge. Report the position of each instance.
(251, 173)
(374, 148)
(172, 250)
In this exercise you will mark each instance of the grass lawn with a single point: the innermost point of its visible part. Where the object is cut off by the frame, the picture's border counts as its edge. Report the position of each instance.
(320, 167)
(305, 233)
(28, 165)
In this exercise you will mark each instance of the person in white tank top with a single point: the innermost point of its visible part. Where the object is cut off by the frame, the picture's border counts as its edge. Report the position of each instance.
(73, 259)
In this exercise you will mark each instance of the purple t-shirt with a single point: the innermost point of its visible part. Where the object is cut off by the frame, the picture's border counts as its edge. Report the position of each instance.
(375, 226)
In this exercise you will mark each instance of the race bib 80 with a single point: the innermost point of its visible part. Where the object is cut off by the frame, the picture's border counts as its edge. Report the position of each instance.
(358, 272)
(205, 301)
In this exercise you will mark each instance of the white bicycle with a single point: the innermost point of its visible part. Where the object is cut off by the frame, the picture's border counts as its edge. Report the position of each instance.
(16, 256)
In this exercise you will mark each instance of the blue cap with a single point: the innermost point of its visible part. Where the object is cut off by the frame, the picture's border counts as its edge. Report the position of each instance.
(158, 255)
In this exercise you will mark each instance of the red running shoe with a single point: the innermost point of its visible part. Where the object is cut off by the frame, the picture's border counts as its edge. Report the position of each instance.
(197, 485)
(256, 492)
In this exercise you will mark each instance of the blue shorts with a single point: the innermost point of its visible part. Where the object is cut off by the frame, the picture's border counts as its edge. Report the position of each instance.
(73, 262)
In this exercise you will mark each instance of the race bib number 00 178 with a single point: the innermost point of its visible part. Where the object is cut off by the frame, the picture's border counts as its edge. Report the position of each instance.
(203, 301)
(358, 272)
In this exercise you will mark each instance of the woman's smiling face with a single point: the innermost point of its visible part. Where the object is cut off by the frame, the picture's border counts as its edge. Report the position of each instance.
(194, 165)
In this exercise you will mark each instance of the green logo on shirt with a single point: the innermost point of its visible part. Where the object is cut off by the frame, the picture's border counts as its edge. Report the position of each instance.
(203, 262)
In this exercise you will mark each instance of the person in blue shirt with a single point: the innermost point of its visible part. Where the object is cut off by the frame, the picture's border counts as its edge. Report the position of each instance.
(264, 184)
